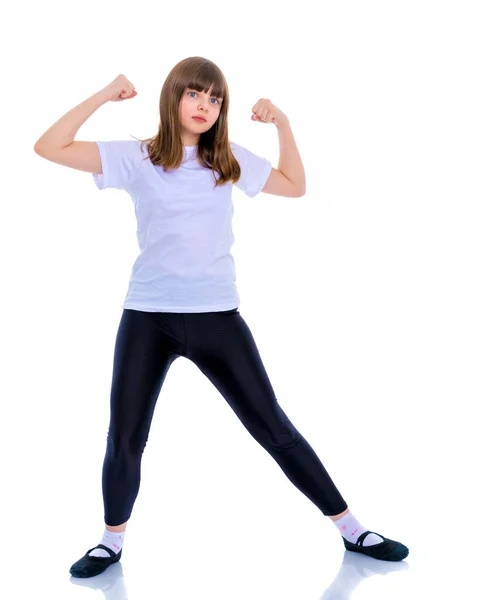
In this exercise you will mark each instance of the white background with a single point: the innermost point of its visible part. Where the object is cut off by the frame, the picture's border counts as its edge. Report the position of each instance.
(362, 297)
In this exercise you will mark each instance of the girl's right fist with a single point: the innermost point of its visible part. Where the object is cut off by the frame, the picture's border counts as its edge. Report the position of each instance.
(120, 89)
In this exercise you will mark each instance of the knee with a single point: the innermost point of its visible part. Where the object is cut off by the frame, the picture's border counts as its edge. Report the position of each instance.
(283, 437)
(286, 441)
(125, 445)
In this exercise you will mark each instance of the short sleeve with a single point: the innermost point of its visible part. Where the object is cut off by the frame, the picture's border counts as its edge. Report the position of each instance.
(255, 170)
(120, 163)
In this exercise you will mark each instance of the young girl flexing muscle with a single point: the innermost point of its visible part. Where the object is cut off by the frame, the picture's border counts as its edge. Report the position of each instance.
(182, 299)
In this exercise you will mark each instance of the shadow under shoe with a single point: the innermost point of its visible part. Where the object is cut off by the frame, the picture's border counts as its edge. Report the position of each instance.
(89, 566)
(387, 550)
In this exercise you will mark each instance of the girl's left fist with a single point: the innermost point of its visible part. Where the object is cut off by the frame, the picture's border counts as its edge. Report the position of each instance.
(265, 111)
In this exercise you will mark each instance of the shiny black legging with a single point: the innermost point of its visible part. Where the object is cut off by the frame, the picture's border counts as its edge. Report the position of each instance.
(223, 348)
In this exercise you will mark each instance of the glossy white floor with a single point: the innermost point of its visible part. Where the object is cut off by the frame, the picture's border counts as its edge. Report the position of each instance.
(216, 518)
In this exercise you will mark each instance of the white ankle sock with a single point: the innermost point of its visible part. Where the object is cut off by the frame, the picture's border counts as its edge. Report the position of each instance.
(110, 539)
(350, 528)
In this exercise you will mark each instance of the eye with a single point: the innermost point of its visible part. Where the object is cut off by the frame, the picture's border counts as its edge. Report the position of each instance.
(217, 102)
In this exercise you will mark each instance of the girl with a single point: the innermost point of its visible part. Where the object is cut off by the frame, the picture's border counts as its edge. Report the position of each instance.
(182, 298)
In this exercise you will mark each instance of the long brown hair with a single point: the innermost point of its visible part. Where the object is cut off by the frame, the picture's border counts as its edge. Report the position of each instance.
(214, 152)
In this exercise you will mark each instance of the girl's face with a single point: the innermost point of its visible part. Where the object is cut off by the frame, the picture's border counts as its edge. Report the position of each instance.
(197, 104)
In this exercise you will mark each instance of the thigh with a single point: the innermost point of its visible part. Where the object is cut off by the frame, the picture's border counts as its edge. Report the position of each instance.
(143, 354)
(223, 348)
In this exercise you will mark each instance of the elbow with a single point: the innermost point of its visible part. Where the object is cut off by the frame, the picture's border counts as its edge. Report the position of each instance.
(301, 189)
(41, 150)
(38, 143)
(37, 149)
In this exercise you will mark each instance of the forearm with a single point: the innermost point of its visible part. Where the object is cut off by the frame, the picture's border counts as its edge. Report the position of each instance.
(290, 163)
(63, 132)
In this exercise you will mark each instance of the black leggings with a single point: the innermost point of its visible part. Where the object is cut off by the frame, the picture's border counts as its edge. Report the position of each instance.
(223, 348)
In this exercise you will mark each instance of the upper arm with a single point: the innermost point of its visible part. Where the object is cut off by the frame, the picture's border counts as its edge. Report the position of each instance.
(279, 185)
(254, 170)
(114, 163)
(259, 175)
(84, 156)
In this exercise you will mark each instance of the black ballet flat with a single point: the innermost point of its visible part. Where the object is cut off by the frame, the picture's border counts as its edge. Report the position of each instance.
(387, 550)
(88, 566)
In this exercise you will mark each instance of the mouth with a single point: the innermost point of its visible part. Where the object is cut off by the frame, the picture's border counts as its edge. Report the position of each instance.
(200, 119)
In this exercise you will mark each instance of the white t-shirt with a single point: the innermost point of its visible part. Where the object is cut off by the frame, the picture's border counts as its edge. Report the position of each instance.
(184, 226)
